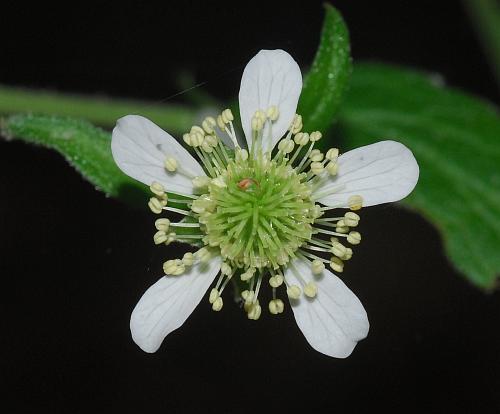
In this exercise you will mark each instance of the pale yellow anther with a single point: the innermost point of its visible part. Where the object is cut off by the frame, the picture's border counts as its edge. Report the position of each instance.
(227, 116)
(315, 136)
(156, 205)
(351, 219)
(209, 124)
(337, 264)
(276, 306)
(187, 138)
(338, 249)
(257, 123)
(245, 276)
(317, 266)
(254, 311)
(347, 254)
(173, 267)
(341, 227)
(241, 155)
(296, 125)
(310, 289)
(301, 138)
(273, 113)
(219, 181)
(248, 296)
(195, 129)
(157, 189)
(276, 281)
(332, 154)
(354, 237)
(355, 202)
(293, 292)
(214, 294)
(201, 181)
(160, 237)
(196, 139)
(203, 255)
(188, 259)
(170, 238)
(332, 168)
(206, 146)
(225, 269)
(162, 224)
(316, 155)
(220, 123)
(286, 146)
(218, 304)
(211, 140)
(317, 168)
(316, 211)
(171, 164)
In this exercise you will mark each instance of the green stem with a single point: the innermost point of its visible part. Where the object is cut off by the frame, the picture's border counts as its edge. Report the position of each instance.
(96, 109)
(485, 16)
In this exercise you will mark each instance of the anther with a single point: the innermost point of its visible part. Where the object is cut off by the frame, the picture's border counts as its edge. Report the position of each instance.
(301, 139)
(317, 266)
(354, 237)
(332, 154)
(315, 136)
(316, 168)
(254, 311)
(296, 125)
(310, 289)
(171, 164)
(273, 113)
(338, 249)
(156, 205)
(214, 294)
(203, 254)
(355, 202)
(351, 219)
(162, 224)
(337, 264)
(332, 168)
(188, 259)
(276, 281)
(208, 125)
(173, 267)
(201, 181)
(227, 116)
(293, 292)
(160, 237)
(276, 306)
(226, 269)
(157, 189)
(316, 155)
(241, 155)
(217, 305)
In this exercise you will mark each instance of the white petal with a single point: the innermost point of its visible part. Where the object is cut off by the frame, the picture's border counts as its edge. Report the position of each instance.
(168, 303)
(140, 148)
(271, 78)
(381, 173)
(335, 320)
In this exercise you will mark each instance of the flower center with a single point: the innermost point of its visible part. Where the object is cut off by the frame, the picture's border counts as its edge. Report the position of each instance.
(261, 215)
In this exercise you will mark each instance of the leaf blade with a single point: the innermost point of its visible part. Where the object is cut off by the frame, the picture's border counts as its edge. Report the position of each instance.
(329, 76)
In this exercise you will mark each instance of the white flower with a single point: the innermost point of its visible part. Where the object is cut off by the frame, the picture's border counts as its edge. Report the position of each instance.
(260, 213)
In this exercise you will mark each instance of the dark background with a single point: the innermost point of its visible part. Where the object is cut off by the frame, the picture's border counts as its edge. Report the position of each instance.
(74, 263)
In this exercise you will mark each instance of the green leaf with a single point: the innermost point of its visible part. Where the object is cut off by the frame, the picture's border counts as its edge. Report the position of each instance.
(455, 139)
(85, 147)
(328, 78)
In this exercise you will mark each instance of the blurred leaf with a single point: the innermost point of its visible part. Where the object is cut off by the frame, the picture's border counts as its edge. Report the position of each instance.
(485, 16)
(328, 78)
(455, 139)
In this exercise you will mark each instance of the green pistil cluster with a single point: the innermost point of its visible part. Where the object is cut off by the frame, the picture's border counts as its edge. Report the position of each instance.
(260, 215)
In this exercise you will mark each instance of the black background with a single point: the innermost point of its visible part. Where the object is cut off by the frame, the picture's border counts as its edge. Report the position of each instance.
(73, 263)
